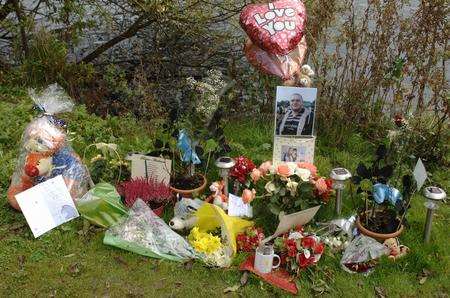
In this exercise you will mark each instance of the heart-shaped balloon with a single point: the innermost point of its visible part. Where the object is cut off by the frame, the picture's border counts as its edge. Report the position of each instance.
(275, 27)
(280, 66)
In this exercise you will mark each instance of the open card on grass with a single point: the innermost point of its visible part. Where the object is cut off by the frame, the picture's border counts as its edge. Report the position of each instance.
(290, 221)
(143, 166)
(47, 205)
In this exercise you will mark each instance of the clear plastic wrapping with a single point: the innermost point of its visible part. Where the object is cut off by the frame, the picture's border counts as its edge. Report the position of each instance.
(361, 254)
(45, 152)
(145, 233)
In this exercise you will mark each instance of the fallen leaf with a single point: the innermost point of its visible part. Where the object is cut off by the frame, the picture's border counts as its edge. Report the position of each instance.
(74, 269)
(188, 265)
(360, 283)
(244, 278)
(21, 260)
(160, 284)
(69, 256)
(380, 292)
(121, 260)
(422, 280)
(231, 289)
(16, 226)
(319, 290)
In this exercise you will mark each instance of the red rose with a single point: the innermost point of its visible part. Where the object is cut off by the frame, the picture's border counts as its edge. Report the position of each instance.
(302, 260)
(242, 168)
(299, 229)
(308, 242)
(318, 249)
(291, 247)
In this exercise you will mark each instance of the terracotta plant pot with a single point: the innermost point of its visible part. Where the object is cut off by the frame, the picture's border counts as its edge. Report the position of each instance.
(377, 236)
(188, 193)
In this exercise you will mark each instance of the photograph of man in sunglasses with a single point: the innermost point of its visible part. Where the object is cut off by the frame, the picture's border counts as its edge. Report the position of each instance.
(295, 116)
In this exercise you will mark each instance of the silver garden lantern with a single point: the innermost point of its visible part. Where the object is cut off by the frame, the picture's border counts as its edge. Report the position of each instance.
(339, 176)
(434, 196)
(225, 164)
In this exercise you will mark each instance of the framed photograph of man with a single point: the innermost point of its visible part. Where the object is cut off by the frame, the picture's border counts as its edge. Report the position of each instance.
(292, 149)
(295, 111)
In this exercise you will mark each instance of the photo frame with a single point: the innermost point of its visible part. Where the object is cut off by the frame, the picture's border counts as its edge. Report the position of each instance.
(295, 110)
(293, 149)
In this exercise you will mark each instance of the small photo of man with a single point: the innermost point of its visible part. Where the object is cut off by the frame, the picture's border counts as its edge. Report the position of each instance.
(295, 111)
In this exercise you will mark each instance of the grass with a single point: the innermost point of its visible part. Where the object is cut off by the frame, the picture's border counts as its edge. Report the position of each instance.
(72, 260)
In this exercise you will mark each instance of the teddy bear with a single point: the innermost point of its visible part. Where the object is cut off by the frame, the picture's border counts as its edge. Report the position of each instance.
(395, 249)
(218, 197)
(302, 77)
(184, 210)
(45, 155)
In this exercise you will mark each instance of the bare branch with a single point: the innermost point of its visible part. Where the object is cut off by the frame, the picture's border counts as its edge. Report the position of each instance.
(140, 23)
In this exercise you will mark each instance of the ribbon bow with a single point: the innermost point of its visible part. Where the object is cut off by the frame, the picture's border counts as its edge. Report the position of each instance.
(184, 144)
(382, 192)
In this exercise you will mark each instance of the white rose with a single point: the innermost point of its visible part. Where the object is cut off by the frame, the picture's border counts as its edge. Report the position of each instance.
(304, 174)
(270, 187)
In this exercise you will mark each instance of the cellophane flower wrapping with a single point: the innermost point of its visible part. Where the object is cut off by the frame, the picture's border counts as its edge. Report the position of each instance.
(45, 151)
(361, 254)
(102, 205)
(145, 233)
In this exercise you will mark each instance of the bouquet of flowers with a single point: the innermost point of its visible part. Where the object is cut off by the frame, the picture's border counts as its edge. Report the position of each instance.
(298, 249)
(250, 239)
(291, 187)
(210, 248)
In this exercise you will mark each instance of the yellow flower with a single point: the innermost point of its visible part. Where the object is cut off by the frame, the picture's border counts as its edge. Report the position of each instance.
(204, 242)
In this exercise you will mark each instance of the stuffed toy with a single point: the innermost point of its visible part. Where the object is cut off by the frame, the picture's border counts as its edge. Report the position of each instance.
(45, 153)
(395, 249)
(302, 78)
(184, 211)
(218, 197)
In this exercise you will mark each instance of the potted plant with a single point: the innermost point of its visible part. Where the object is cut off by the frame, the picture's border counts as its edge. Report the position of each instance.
(196, 135)
(383, 213)
(154, 193)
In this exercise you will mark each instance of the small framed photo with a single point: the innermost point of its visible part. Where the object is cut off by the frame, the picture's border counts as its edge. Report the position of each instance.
(291, 149)
(295, 110)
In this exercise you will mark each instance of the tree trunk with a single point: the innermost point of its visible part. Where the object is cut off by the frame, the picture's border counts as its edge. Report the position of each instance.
(20, 18)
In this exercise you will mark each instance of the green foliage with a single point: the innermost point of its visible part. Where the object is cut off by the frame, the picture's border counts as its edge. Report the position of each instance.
(46, 63)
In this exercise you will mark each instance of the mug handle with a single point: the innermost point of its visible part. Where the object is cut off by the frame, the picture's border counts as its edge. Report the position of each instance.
(279, 261)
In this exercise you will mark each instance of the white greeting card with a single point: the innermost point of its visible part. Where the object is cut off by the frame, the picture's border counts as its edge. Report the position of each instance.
(289, 221)
(420, 174)
(143, 166)
(237, 207)
(47, 205)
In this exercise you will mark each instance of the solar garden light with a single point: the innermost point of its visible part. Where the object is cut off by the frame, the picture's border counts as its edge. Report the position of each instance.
(434, 196)
(225, 164)
(339, 176)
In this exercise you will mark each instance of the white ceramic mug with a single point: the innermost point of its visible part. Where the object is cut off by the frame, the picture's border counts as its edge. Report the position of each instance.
(264, 259)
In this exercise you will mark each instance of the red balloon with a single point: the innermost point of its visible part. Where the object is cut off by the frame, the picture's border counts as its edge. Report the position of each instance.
(275, 27)
(280, 66)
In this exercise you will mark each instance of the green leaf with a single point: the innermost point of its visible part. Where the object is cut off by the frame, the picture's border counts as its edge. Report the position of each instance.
(266, 146)
(366, 185)
(211, 145)
(274, 209)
